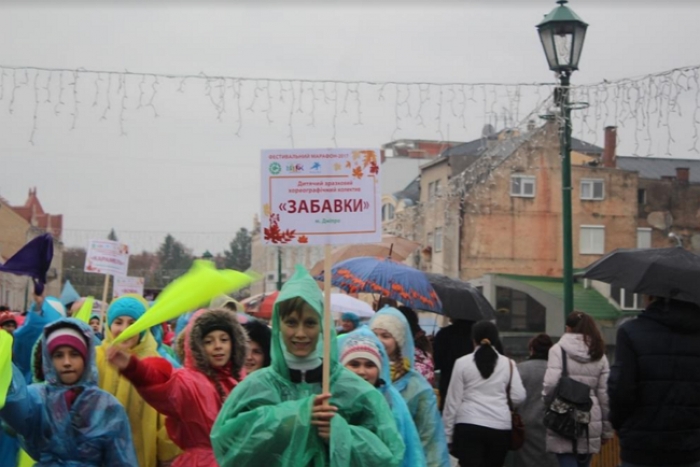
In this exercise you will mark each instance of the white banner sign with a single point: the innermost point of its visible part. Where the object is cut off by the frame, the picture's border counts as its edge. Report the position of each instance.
(107, 257)
(321, 196)
(125, 285)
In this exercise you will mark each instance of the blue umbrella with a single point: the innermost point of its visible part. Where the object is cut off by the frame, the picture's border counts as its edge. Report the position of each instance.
(388, 278)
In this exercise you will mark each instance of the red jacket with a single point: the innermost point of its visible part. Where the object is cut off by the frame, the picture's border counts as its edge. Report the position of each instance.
(190, 397)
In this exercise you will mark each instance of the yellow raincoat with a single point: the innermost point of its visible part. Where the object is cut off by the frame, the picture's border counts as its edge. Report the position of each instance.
(148, 430)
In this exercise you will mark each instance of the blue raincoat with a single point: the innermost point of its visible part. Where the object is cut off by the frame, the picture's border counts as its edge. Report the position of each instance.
(26, 336)
(414, 455)
(93, 432)
(163, 350)
(420, 399)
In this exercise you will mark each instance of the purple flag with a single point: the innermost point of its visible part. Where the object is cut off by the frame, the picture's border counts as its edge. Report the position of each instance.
(33, 260)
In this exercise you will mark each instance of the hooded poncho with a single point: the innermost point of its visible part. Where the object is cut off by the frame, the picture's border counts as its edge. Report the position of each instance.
(414, 455)
(26, 335)
(416, 391)
(267, 418)
(92, 431)
(147, 425)
(191, 397)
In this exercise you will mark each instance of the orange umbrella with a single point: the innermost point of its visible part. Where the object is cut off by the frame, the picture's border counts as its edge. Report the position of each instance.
(398, 248)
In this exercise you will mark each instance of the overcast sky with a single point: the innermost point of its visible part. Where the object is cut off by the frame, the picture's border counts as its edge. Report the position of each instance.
(188, 173)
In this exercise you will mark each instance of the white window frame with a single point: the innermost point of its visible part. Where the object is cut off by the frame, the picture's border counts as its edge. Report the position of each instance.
(429, 239)
(590, 249)
(437, 234)
(592, 182)
(636, 299)
(645, 230)
(523, 180)
(390, 212)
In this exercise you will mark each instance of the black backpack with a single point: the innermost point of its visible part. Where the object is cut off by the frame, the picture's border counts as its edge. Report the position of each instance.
(568, 407)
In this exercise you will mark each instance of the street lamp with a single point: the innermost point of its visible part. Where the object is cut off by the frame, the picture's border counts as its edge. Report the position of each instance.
(207, 256)
(562, 34)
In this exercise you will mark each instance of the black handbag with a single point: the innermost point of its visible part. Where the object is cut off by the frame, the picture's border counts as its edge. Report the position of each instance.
(568, 407)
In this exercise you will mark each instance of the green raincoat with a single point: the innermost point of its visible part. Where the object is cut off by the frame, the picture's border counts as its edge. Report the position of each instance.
(267, 418)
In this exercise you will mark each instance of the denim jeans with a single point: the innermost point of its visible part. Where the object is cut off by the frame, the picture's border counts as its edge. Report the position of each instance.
(574, 460)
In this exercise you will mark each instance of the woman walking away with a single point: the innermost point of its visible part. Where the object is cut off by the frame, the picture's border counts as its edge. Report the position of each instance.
(477, 417)
(147, 426)
(68, 420)
(533, 453)
(393, 331)
(586, 363)
(191, 397)
(259, 336)
(363, 354)
(278, 417)
(424, 349)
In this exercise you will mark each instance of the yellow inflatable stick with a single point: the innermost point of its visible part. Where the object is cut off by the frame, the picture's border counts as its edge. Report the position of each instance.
(25, 460)
(5, 365)
(85, 310)
(186, 293)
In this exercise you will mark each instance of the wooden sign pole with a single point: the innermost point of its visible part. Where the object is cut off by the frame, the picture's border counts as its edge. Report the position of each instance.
(327, 266)
(105, 289)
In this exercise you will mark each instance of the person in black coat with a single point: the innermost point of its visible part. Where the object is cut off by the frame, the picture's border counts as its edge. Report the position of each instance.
(654, 386)
(450, 343)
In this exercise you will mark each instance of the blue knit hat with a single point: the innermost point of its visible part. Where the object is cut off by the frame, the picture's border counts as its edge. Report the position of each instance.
(125, 306)
(351, 317)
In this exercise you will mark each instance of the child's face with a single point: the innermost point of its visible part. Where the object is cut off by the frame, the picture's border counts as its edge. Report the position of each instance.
(388, 340)
(217, 346)
(119, 324)
(255, 358)
(10, 327)
(300, 332)
(69, 364)
(365, 369)
(95, 324)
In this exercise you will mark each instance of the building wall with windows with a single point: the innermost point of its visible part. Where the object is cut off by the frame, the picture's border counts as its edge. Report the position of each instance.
(513, 222)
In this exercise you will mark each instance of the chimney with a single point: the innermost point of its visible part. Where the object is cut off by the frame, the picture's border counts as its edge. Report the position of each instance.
(683, 174)
(609, 147)
(382, 156)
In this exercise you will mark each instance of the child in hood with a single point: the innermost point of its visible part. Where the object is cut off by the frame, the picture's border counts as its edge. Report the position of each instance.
(363, 354)
(68, 420)
(259, 336)
(278, 417)
(392, 329)
(191, 397)
(147, 426)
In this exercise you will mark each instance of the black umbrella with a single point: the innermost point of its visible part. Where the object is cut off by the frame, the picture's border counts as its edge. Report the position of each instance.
(460, 300)
(661, 272)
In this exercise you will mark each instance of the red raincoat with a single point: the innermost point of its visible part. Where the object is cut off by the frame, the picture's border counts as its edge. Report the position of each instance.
(191, 397)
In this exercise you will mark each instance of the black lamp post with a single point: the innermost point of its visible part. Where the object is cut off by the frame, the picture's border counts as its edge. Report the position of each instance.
(562, 34)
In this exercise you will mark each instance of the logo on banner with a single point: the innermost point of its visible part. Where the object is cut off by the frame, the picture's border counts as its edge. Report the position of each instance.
(275, 168)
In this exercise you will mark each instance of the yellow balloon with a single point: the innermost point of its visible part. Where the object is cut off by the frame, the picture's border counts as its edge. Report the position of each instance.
(85, 310)
(25, 460)
(194, 289)
(5, 365)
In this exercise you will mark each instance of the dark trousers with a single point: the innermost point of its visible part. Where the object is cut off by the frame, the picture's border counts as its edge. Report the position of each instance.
(478, 446)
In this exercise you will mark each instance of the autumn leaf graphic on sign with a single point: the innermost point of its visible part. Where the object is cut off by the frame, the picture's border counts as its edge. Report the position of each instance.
(337, 166)
(275, 234)
(303, 239)
(374, 168)
(356, 155)
(357, 172)
(266, 210)
(370, 158)
(348, 164)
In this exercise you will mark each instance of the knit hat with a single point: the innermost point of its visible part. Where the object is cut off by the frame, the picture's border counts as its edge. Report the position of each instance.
(67, 335)
(125, 306)
(359, 346)
(393, 325)
(350, 317)
(7, 317)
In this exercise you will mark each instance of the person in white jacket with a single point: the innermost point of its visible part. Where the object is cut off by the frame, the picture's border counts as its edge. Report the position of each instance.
(476, 415)
(586, 363)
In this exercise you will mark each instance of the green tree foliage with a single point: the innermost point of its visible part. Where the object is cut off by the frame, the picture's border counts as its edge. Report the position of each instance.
(173, 260)
(238, 256)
